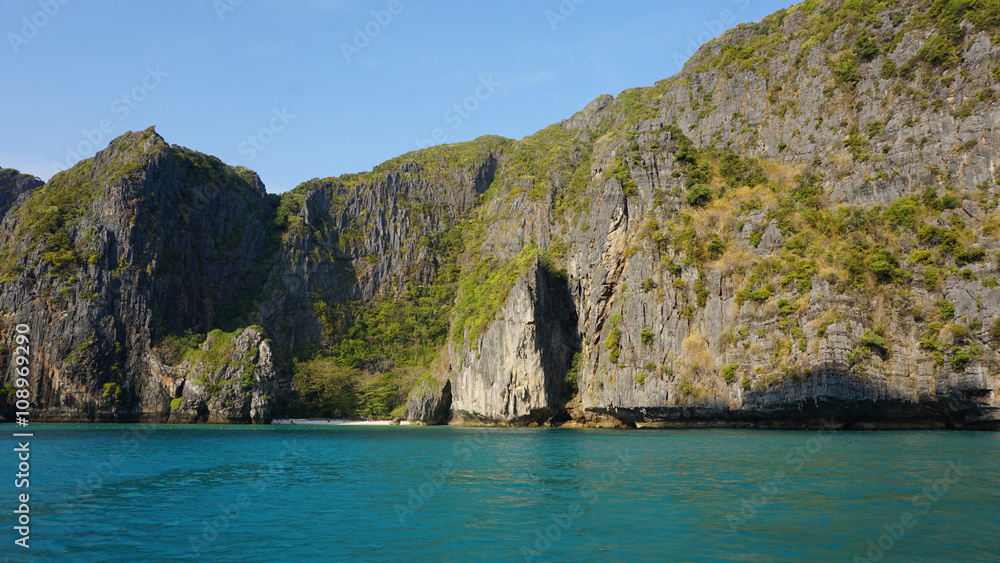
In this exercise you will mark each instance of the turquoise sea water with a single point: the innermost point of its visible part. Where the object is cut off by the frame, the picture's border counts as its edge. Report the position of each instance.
(322, 493)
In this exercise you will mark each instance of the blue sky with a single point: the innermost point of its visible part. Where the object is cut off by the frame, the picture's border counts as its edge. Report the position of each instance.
(313, 88)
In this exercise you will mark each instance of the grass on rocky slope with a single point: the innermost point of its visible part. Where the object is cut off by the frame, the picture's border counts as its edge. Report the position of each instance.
(895, 257)
(174, 347)
(872, 26)
(484, 289)
(433, 162)
(552, 160)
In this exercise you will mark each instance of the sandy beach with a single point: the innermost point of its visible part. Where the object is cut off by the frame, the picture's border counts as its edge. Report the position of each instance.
(337, 422)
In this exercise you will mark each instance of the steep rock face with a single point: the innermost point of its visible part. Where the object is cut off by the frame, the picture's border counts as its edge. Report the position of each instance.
(429, 403)
(227, 382)
(799, 229)
(13, 185)
(355, 241)
(514, 372)
(361, 239)
(797, 106)
(146, 245)
(763, 329)
(140, 241)
(702, 360)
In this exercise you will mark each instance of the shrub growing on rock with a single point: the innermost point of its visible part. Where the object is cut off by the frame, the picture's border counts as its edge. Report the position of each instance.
(699, 195)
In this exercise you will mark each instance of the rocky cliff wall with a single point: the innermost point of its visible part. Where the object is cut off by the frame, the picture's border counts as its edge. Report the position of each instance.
(514, 373)
(801, 227)
(141, 241)
(745, 310)
(13, 185)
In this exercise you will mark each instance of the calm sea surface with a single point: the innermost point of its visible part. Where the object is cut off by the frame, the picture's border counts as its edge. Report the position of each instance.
(322, 493)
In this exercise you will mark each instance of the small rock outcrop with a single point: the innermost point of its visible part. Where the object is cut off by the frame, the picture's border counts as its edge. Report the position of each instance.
(228, 380)
(429, 403)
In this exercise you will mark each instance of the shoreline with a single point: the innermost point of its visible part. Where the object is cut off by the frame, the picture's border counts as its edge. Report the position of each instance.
(566, 425)
(337, 422)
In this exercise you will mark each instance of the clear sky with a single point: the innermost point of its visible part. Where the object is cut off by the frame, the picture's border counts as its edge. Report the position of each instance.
(300, 89)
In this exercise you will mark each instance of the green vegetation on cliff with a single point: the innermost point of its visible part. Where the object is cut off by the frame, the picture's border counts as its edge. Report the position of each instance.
(484, 291)
(52, 211)
(174, 347)
(374, 352)
(768, 39)
(794, 202)
(430, 163)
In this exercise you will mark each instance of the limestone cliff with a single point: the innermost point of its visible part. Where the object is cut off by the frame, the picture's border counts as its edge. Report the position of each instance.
(224, 381)
(799, 229)
(142, 241)
(429, 403)
(13, 185)
(514, 372)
